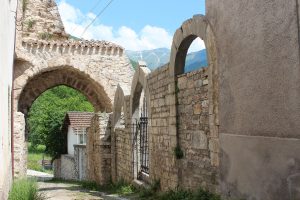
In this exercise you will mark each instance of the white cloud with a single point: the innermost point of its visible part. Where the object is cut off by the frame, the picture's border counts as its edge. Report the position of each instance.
(150, 37)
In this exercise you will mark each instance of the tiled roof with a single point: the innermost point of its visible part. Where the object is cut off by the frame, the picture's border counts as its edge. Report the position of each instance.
(80, 119)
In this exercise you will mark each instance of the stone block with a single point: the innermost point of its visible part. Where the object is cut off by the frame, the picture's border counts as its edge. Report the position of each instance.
(199, 140)
(197, 109)
(214, 145)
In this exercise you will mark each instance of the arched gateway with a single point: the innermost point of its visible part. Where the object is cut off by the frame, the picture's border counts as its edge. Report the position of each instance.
(94, 68)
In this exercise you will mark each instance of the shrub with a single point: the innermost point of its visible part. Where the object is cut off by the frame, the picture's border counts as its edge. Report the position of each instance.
(25, 189)
(151, 191)
(178, 194)
(201, 194)
(181, 194)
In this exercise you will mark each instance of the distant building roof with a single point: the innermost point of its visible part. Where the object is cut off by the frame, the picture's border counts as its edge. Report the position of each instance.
(79, 119)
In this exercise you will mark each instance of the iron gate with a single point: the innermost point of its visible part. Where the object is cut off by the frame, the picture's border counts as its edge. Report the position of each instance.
(140, 143)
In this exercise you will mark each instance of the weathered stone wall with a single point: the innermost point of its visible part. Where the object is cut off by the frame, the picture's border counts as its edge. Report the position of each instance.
(121, 137)
(99, 149)
(46, 58)
(41, 19)
(178, 114)
(162, 128)
(123, 155)
(64, 167)
(102, 65)
(195, 169)
(20, 146)
(80, 157)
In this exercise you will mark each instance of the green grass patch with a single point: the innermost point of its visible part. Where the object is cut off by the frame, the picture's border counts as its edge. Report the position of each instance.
(154, 193)
(35, 155)
(181, 194)
(25, 189)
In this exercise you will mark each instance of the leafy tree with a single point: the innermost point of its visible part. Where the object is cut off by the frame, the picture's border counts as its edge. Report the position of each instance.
(47, 113)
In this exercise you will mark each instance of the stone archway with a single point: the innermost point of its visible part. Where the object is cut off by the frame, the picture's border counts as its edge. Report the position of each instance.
(46, 56)
(139, 84)
(203, 129)
(198, 26)
(139, 112)
(64, 76)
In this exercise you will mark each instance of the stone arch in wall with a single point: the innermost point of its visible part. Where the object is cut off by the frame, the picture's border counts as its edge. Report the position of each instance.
(65, 75)
(121, 139)
(120, 114)
(208, 139)
(139, 112)
(92, 67)
(139, 85)
(46, 56)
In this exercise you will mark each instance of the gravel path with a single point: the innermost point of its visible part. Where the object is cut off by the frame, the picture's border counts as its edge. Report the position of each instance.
(71, 191)
(66, 191)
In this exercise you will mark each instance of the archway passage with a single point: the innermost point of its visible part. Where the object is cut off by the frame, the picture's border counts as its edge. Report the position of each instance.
(57, 125)
(34, 87)
(139, 116)
(64, 76)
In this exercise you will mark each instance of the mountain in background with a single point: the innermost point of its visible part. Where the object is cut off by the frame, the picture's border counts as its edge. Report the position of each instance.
(195, 60)
(158, 57)
(154, 58)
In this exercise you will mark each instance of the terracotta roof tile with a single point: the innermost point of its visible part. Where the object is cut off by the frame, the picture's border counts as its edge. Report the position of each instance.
(80, 119)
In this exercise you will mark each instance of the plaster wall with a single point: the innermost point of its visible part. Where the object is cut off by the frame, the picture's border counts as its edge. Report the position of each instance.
(259, 105)
(7, 41)
(72, 139)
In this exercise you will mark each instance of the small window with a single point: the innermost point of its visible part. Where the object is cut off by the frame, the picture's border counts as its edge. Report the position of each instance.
(81, 134)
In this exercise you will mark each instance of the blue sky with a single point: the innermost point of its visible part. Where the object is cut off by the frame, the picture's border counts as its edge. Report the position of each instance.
(134, 24)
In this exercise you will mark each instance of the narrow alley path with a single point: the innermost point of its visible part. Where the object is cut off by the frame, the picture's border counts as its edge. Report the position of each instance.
(66, 191)
(71, 191)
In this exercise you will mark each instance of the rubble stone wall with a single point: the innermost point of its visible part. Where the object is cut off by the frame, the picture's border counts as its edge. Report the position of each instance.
(123, 155)
(99, 149)
(162, 128)
(195, 167)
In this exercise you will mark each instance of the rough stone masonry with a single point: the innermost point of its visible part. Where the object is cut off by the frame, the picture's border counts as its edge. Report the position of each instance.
(46, 57)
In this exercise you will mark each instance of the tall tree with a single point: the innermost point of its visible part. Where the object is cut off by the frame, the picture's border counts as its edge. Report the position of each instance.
(47, 113)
